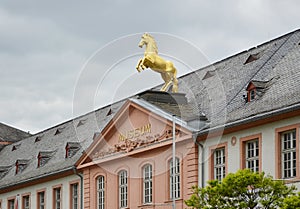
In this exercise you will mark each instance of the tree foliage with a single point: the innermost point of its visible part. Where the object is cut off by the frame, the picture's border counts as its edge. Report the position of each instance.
(244, 190)
(292, 202)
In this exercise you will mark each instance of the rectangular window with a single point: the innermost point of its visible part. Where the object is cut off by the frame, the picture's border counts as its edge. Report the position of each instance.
(74, 196)
(147, 183)
(41, 200)
(25, 202)
(219, 164)
(101, 192)
(123, 189)
(175, 179)
(288, 154)
(11, 204)
(57, 198)
(250, 152)
(218, 161)
(252, 155)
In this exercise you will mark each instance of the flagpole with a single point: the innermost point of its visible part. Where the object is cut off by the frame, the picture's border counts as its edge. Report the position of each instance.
(174, 164)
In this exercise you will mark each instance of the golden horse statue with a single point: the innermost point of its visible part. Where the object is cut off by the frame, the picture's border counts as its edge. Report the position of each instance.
(152, 60)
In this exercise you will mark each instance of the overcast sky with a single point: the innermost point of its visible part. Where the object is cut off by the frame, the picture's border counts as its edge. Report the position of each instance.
(47, 47)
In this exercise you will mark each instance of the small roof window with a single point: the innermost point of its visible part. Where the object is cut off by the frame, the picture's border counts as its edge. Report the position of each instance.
(209, 74)
(81, 122)
(255, 88)
(38, 138)
(59, 130)
(15, 147)
(4, 170)
(252, 57)
(44, 157)
(109, 112)
(21, 165)
(72, 148)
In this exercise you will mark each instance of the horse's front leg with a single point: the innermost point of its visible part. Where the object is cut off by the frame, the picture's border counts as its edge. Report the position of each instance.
(139, 65)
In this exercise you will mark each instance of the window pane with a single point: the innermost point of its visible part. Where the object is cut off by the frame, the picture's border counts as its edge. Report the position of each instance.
(123, 189)
(175, 179)
(147, 183)
(219, 164)
(101, 192)
(288, 145)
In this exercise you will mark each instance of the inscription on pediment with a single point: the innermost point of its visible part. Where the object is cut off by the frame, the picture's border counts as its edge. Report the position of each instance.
(130, 141)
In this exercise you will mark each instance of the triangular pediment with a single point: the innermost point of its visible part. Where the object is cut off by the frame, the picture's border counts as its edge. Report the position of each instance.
(132, 129)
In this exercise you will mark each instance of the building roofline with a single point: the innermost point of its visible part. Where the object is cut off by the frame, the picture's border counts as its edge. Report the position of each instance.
(36, 180)
(255, 118)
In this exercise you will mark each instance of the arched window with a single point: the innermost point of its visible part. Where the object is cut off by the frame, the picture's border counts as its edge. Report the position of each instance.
(147, 183)
(100, 192)
(123, 188)
(175, 179)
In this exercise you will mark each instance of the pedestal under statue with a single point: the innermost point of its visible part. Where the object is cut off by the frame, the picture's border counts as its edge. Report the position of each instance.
(152, 60)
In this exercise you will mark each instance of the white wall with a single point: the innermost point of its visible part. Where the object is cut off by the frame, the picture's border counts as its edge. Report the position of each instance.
(268, 146)
(48, 186)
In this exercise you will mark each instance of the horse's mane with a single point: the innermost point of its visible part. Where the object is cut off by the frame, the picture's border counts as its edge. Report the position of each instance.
(154, 45)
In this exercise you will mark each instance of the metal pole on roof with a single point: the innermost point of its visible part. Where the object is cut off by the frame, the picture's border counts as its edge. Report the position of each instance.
(173, 165)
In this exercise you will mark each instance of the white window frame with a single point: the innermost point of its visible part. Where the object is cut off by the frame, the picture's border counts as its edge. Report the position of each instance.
(57, 198)
(174, 176)
(41, 200)
(26, 202)
(11, 204)
(219, 163)
(252, 155)
(74, 196)
(123, 189)
(147, 184)
(100, 192)
(289, 154)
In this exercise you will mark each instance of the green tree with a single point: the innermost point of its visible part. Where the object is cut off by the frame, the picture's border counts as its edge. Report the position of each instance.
(292, 202)
(244, 190)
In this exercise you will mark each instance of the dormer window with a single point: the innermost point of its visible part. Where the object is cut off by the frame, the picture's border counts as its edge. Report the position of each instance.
(256, 89)
(4, 170)
(251, 95)
(81, 122)
(59, 130)
(252, 57)
(44, 157)
(38, 138)
(21, 165)
(72, 148)
(15, 147)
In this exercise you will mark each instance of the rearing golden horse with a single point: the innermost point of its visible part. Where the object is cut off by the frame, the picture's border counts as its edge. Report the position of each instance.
(152, 60)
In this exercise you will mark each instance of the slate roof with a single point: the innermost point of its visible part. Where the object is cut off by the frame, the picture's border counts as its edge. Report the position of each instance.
(11, 134)
(216, 90)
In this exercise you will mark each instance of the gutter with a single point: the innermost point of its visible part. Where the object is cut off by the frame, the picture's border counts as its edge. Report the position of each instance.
(30, 180)
(253, 118)
(81, 186)
(200, 161)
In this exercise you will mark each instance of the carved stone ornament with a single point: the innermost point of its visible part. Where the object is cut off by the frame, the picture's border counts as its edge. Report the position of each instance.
(128, 145)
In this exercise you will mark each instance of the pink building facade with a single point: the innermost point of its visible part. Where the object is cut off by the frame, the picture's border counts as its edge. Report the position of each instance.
(130, 164)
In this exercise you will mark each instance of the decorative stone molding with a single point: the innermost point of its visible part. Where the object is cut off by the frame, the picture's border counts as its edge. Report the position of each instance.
(129, 145)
